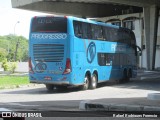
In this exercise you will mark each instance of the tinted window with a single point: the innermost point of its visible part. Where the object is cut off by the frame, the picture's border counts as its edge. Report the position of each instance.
(126, 36)
(111, 34)
(107, 59)
(133, 39)
(78, 29)
(49, 24)
(106, 33)
(102, 59)
(97, 32)
(87, 31)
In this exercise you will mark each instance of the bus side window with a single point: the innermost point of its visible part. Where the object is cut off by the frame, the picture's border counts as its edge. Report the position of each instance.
(103, 33)
(84, 28)
(89, 31)
(106, 34)
(115, 35)
(127, 37)
(133, 39)
(97, 32)
(111, 34)
(120, 36)
(102, 59)
(78, 29)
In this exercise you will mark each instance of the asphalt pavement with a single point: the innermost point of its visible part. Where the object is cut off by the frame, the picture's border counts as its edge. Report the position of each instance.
(149, 103)
(126, 98)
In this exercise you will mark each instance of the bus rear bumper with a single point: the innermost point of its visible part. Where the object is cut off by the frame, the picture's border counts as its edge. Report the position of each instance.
(50, 82)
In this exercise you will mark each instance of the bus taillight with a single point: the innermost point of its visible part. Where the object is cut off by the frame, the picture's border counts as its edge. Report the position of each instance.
(68, 66)
(30, 66)
(65, 17)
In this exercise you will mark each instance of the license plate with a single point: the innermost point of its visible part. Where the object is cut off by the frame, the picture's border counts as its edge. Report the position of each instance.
(48, 78)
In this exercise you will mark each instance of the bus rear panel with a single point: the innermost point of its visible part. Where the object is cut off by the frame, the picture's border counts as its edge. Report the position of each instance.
(49, 58)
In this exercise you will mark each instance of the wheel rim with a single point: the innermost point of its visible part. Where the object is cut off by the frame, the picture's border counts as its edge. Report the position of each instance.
(86, 83)
(94, 81)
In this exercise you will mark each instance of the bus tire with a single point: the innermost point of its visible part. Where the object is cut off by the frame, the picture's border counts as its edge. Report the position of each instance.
(49, 87)
(123, 79)
(85, 86)
(93, 82)
(129, 75)
(125, 75)
(120, 81)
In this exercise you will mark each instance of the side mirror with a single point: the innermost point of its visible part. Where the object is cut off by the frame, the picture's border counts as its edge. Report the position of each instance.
(139, 51)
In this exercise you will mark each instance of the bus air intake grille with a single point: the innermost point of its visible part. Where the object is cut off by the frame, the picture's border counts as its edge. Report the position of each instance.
(48, 52)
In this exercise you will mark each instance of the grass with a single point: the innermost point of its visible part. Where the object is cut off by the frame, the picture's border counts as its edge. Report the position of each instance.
(13, 81)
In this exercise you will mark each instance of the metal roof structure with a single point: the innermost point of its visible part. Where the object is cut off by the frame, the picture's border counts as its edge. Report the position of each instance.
(89, 8)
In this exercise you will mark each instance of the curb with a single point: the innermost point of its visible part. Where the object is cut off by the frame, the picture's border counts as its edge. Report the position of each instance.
(17, 75)
(153, 96)
(20, 86)
(89, 106)
(146, 78)
(151, 77)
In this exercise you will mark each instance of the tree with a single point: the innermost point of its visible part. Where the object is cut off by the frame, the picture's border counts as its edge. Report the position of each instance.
(3, 54)
(9, 66)
(15, 47)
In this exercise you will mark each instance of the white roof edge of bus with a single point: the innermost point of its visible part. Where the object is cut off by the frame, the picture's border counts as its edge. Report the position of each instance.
(92, 21)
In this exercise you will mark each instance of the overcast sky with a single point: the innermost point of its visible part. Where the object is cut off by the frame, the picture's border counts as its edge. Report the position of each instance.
(10, 16)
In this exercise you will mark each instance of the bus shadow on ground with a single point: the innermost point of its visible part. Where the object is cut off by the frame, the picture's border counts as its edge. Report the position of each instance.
(148, 84)
(43, 90)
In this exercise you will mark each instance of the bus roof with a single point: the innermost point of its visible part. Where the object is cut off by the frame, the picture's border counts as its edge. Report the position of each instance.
(93, 22)
(85, 20)
(80, 19)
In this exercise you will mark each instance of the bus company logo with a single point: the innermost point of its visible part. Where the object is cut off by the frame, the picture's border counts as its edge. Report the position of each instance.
(49, 36)
(91, 52)
(40, 67)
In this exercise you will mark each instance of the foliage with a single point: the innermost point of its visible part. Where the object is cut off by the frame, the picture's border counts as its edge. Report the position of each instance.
(3, 54)
(8, 45)
(5, 65)
(12, 67)
(9, 66)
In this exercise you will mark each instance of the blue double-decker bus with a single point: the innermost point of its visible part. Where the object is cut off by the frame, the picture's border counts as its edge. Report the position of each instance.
(69, 51)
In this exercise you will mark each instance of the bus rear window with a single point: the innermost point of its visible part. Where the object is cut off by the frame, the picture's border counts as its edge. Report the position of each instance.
(49, 24)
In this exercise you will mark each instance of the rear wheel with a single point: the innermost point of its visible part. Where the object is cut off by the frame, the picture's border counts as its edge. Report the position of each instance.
(124, 78)
(49, 87)
(93, 83)
(85, 86)
(129, 75)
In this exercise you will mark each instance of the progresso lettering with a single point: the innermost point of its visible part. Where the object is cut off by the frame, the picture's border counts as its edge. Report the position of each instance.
(49, 36)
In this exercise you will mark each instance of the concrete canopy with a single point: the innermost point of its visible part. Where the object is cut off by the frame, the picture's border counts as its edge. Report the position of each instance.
(88, 8)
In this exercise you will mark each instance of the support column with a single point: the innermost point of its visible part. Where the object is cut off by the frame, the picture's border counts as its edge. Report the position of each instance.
(150, 34)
